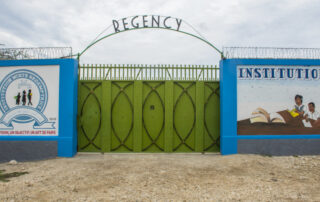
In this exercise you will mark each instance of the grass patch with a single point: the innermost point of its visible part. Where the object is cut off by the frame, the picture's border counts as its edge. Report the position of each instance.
(5, 176)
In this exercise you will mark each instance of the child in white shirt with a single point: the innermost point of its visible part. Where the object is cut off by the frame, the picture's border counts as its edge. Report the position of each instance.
(312, 118)
(312, 113)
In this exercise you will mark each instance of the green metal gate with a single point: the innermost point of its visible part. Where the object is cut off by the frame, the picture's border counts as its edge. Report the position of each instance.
(148, 109)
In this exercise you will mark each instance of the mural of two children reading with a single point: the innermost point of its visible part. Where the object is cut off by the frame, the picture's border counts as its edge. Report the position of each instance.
(278, 105)
(24, 97)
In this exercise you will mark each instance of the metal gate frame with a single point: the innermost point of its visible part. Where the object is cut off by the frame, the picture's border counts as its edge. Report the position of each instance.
(102, 87)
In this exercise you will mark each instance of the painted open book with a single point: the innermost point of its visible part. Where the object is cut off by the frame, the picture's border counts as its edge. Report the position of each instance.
(262, 116)
(283, 122)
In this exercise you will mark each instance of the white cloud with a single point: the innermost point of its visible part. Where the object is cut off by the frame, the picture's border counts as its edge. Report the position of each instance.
(281, 23)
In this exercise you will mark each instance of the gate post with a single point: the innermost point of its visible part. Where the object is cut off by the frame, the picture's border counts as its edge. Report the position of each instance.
(199, 116)
(106, 116)
(137, 117)
(168, 132)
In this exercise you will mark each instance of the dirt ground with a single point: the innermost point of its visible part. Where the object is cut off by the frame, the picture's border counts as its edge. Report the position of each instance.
(165, 177)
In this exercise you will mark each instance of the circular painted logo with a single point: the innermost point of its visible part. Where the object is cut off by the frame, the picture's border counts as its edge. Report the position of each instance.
(23, 89)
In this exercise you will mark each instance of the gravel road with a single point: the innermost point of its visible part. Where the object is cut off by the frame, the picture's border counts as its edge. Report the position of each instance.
(165, 177)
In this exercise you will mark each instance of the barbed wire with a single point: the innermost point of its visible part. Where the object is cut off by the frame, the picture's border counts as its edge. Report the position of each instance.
(35, 53)
(270, 53)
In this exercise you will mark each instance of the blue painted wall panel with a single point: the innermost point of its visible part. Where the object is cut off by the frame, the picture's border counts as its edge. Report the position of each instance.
(67, 133)
(228, 100)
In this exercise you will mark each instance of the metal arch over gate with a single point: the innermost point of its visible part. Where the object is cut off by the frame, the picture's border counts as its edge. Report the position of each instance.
(148, 108)
(155, 22)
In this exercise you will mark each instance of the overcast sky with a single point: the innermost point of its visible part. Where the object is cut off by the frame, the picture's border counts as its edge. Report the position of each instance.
(75, 23)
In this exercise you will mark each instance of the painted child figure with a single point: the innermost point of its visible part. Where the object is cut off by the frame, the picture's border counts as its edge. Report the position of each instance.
(299, 107)
(312, 116)
(18, 97)
(24, 98)
(29, 97)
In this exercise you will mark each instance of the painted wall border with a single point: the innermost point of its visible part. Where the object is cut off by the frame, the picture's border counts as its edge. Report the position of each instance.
(68, 93)
(228, 101)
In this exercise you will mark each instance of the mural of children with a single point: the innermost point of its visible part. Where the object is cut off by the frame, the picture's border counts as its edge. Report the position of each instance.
(299, 107)
(18, 97)
(24, 98)
(29, 97)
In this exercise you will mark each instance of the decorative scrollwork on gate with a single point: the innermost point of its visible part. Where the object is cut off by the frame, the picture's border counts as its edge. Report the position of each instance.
(91, 93)
(122, 142)
(183, 140)
(214, 141)
(153, 141)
